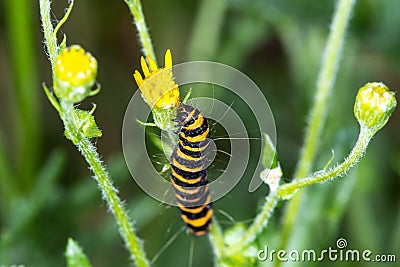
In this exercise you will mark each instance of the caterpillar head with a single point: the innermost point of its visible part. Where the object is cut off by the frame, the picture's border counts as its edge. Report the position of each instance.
(185, 114)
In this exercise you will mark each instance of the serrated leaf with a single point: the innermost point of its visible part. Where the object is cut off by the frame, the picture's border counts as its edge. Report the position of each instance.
(87, 124)
(75, 256)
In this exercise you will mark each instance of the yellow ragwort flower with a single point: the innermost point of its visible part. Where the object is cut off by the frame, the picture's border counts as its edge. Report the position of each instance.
(75, 72)
(158, 87)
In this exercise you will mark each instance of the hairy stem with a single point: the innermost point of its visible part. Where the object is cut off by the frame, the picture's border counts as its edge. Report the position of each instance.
(285, 191)
(109, 192)
(135, 6)
(217, 241)
(259, 223)
(325, 82)
(353, 158)
(49, 38)
(89, 152)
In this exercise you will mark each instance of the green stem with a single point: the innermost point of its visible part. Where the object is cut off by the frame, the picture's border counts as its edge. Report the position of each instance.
(89, 152)
(325, 82)
(217, 241)
(135, 6)
(259, 223)
(287, 190)
(8, 190)
(23, 62)
(109, 192)
(49, 38)
(206, 32)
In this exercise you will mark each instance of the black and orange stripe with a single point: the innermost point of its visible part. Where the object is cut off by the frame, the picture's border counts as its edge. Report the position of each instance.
(189, 170)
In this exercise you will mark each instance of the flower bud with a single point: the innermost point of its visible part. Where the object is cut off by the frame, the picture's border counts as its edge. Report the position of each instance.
(75, 72)
(374, 105)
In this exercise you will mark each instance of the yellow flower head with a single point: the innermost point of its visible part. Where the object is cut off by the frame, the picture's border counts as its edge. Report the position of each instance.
(374, 105)
(75, 72)
(158, 87)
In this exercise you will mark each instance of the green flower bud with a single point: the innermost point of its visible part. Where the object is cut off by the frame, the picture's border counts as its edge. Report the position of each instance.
(374, 105)
(75, 72)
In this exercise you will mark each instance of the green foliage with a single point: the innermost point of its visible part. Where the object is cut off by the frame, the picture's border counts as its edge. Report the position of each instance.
(45, 193)
(75, 256)
(245, 257)
(87, 124)
(269, 155)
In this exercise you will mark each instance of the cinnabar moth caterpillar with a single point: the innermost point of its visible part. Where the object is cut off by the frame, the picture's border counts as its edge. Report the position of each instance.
(189, 162)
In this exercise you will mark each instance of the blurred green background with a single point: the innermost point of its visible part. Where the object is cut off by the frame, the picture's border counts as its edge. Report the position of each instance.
(46, 190)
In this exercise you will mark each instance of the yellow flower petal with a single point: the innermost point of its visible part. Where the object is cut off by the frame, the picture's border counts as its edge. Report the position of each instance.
(168, 59)
(145, 69)
(152, 63)
(138, 78)
(158, 87)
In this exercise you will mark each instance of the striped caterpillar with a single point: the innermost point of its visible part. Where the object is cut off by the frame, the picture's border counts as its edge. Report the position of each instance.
(188, 170)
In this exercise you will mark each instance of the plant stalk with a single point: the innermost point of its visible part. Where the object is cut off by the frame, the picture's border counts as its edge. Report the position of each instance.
(217, 241)
(353, 158)
(90, 154)
(24, 75)
(325, 83)
(259, 223)
(286, 191)
(135, 6)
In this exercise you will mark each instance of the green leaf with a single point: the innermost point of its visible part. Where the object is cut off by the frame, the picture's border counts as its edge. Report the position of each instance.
(75, 256)
(269, 156)
(51, 98)
(245, 257)
(87, 123)
(63, 43)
